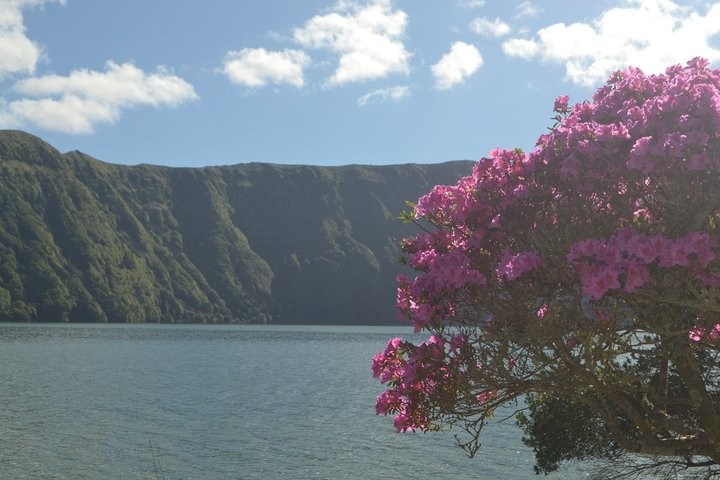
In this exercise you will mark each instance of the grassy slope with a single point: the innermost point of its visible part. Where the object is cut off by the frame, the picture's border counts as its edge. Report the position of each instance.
(82, 240)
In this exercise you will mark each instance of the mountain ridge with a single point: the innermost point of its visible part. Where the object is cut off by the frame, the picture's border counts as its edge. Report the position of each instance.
(85, 240)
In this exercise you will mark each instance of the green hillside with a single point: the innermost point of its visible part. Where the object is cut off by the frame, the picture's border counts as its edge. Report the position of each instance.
(86, 241)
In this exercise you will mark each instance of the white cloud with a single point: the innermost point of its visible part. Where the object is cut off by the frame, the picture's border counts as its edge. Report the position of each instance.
(520, 47)
(367, 37)
(78, 102)
(68, 114)
(472, 3)
(527, 9)
(393, 94)
(457, 65)
(257, 67)
(490, 28)
(18, 54)
(649, 34)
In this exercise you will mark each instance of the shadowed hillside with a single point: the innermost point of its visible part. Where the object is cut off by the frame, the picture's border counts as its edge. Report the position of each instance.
(86, 241)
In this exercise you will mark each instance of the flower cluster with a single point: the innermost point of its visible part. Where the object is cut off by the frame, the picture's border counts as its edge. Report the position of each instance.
(699, 334)
(629, 254)
(513, 266)
(621, 190)
(467, 218)
(415, 373)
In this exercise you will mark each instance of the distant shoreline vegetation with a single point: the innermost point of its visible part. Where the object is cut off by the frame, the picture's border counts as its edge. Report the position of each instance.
(86, 241)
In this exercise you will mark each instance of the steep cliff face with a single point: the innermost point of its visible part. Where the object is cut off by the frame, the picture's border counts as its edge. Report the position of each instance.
(86, 241)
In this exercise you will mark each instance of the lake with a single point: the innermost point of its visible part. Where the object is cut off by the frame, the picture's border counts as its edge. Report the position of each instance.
(217, 402)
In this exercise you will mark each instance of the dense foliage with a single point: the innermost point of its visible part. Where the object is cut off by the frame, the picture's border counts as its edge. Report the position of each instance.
(86, 241)
(582, 277)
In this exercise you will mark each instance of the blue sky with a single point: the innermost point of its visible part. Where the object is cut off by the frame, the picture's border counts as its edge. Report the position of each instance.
(323, 82)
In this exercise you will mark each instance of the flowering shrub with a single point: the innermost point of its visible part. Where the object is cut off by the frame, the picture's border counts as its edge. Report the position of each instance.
(586, 269)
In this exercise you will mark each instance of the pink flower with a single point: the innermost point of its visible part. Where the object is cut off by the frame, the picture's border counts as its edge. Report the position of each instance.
(571, 166)
(636, 276)
(387, 401)
(597, 284)
(522, 191)
(423, 315)
(715, 333)
(701, 245)
(402, 422)
(648, 249)
(677, 255)
(583, 248)
(512, 267)
(696, 334)
(561, 104)
(485, 396)
(640, 155)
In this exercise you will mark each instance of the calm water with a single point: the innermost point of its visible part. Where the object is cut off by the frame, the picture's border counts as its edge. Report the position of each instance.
(216, 402)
